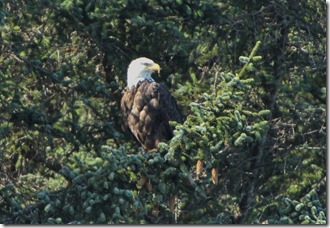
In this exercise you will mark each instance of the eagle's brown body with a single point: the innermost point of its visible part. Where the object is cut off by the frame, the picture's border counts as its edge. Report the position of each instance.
(147, 109)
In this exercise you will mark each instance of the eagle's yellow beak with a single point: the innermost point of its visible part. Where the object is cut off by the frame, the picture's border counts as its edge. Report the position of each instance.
(154, 67)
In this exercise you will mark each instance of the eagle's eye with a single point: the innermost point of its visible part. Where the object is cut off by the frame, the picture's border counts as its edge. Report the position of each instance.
(147, 64)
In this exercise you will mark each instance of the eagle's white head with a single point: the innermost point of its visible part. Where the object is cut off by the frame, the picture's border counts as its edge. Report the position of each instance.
(141, 69)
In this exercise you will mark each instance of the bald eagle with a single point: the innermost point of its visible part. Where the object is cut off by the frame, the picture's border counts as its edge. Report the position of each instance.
(147, 106)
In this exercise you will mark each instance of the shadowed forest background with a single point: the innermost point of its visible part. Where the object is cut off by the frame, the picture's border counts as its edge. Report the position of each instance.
(250, 81)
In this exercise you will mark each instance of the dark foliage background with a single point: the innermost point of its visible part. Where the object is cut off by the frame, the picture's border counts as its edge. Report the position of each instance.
(250, 80)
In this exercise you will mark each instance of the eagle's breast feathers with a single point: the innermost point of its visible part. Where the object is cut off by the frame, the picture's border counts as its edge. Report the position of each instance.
(147, 110)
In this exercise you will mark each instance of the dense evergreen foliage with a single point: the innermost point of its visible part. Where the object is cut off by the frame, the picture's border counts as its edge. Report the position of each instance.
(250, 81)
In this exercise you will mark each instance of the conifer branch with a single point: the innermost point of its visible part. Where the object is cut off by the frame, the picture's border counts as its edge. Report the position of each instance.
(252, 54)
